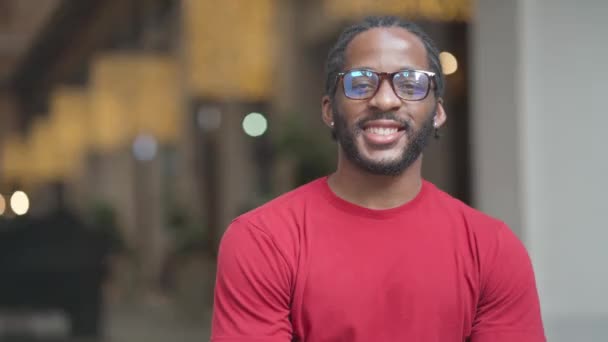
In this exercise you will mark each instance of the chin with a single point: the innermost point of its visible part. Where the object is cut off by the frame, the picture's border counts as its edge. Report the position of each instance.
(389, 155)
(381, 161)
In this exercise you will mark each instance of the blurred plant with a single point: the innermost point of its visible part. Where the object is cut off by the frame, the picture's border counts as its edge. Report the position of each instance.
(187, 235)
(191, 244)
(312, 154)
(103, 220)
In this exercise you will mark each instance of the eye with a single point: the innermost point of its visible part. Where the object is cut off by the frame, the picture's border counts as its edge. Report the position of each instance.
(407, 86)
(362, 81)
(362, 85)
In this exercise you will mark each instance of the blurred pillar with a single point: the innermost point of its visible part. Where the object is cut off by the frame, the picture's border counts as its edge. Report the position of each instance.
(538, 148)
(69, 108)
(228, 50)
(226, 164)
(286, 84)
(150, 235)
(110, 177)
(109, 180)
(236, 165)
(137, 115)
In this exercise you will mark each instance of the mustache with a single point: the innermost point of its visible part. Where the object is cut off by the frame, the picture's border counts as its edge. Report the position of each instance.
(384, 116)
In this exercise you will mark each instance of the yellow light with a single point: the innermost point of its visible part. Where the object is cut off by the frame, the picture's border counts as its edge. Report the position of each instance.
(2, 205)
(234, 39)
(134, 93)
(44, 151)
(435, 10)
(69, 118)
(112, 89)
(449, 64)
(255, 124)
(15, 161)
(155, 103)
(20, 203)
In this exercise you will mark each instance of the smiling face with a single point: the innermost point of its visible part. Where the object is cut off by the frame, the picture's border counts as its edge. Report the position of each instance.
(383, 134)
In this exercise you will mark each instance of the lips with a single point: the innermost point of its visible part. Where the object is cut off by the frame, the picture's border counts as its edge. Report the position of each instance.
(383, 132)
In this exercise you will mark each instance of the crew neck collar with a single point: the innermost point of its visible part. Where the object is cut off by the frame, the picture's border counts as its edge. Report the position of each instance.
(358, 210)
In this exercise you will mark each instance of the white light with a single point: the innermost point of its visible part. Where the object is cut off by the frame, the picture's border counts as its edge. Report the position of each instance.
(255, 124)
(145, 147)
(2, 205)
(20, 203)
(449, 64)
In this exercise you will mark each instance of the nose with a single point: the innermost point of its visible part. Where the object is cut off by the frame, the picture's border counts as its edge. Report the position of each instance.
(385, 99)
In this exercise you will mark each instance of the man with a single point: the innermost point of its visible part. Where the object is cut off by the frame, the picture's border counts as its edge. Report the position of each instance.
(373, 252)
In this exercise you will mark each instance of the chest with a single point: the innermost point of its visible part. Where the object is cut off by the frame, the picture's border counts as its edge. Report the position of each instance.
(402, 281)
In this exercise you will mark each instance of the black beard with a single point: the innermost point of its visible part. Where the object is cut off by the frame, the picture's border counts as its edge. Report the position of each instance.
(417, 141)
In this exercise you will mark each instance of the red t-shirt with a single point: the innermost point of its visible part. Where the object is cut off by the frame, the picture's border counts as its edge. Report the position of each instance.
(309, 266)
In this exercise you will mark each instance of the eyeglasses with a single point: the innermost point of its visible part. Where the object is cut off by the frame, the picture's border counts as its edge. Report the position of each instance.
(410, 85)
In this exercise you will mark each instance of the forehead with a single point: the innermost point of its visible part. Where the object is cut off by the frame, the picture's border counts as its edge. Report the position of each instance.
(386, 49)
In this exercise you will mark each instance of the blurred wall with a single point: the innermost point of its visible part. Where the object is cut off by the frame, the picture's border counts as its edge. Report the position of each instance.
(539, 156)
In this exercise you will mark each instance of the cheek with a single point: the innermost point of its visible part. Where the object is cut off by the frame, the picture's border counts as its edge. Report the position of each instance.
(422, 112)
(350, 111)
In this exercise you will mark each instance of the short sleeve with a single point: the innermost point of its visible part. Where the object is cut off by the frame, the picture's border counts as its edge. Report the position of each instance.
(253, 288)
(508, 308)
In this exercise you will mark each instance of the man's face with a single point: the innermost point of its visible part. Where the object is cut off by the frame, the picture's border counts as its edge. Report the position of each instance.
(384, 134)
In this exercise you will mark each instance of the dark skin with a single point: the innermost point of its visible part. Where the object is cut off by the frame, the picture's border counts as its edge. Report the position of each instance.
(383, 50)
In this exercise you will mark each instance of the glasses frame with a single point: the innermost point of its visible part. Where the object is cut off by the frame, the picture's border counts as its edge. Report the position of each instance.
(390, 76)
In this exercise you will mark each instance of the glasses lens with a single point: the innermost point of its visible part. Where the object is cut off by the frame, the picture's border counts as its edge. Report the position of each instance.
(360, 84)
(411, 85)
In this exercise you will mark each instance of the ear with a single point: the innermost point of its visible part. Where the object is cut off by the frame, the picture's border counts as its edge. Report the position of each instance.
(440, 116)
(327, 113)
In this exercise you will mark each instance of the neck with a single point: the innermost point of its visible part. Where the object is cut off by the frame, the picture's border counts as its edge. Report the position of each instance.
(359, 187)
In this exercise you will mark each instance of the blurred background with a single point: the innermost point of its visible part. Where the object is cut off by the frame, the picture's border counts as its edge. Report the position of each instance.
(133, 131)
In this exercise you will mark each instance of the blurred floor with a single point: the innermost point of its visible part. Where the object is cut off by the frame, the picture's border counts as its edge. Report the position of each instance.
(145, 323)
(154, 323)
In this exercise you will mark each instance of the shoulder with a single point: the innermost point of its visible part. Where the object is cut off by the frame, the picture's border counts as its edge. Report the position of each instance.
(279, 220)
(456, 210)
(285, 210)
(498, 252)
(486, 234)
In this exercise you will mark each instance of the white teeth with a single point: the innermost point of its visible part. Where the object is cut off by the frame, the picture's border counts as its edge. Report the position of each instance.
(381, 131)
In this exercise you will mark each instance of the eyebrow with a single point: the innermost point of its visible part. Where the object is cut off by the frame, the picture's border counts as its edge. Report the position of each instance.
(408, 67)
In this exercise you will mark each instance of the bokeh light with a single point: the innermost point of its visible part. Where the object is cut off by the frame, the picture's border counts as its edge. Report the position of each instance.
(20, 203)
(2, 205)
(255, 124)
(145, 147)
(449, 64)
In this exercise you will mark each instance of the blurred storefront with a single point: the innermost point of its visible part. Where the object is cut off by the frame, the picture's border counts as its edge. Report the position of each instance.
(166, 119)
(142, 108)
